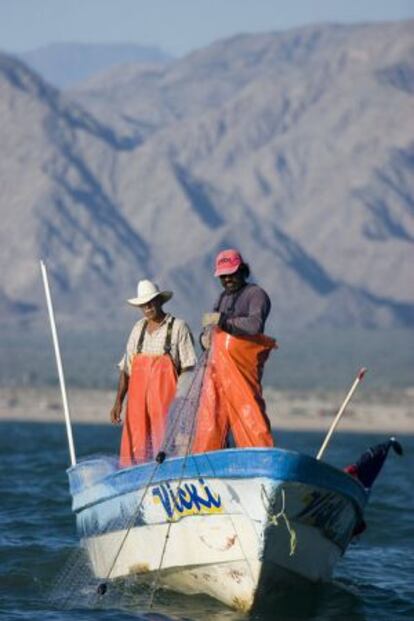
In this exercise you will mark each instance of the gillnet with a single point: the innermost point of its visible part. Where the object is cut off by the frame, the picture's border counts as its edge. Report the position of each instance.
(182, 415)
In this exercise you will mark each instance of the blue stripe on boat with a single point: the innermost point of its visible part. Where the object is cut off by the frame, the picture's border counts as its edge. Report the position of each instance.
(247, 463)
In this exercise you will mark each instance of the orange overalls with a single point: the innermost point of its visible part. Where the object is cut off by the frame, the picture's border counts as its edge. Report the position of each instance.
(151, 389)
(231, 396)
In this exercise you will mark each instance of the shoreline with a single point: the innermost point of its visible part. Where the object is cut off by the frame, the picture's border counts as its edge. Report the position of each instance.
(389, 411)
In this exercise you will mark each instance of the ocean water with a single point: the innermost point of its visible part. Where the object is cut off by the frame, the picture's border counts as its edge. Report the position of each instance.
(375, 579)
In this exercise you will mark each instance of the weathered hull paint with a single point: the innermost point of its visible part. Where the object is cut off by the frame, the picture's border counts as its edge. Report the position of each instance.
(238, 525)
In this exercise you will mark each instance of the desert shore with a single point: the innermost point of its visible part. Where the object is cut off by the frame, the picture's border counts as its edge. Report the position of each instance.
(390, 411)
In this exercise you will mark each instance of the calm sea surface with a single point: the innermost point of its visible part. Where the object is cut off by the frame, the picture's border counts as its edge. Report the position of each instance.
(375, 580)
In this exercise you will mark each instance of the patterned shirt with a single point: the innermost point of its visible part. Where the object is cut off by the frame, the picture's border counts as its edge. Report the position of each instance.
(182, 347)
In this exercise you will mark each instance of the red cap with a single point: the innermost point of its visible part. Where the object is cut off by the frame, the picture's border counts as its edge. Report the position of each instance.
(228, 262)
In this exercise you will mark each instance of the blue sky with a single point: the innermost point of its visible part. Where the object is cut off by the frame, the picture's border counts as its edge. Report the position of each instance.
(177, 26)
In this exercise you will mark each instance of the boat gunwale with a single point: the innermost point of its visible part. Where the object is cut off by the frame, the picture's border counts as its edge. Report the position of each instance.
(285, 466)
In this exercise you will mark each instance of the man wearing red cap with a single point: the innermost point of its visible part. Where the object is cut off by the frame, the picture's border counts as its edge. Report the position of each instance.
(242, 308)
(232, 394)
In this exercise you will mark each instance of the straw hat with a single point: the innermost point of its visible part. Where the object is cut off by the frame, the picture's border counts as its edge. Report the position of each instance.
(147, 291)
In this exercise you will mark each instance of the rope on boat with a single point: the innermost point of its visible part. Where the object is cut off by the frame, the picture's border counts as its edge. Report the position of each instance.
(167, 536)
(273, 519)
(246, 560)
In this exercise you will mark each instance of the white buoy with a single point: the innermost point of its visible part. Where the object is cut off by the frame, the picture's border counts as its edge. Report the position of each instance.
(59, 365)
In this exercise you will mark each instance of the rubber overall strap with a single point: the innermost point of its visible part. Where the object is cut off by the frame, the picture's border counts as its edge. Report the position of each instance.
(167, 344)
(230, 311)
(217, 306)
(141, 338)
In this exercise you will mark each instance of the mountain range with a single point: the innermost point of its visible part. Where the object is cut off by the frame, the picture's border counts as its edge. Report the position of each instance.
(296, 147)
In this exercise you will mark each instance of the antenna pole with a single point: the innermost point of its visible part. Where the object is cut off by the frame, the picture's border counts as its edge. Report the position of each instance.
(59, 365)
(347, 399)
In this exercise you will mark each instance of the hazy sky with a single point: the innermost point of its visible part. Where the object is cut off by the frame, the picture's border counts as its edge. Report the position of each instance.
(177, 26)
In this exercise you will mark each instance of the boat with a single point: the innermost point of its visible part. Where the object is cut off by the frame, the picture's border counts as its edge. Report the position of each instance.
(234, 524)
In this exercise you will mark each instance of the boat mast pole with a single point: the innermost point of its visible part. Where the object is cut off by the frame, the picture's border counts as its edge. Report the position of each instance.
(59, 365)
(347, 399)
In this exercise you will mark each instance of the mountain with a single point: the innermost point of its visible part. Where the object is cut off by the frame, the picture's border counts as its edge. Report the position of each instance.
(65, 64)
(56, 203)
(296, 147)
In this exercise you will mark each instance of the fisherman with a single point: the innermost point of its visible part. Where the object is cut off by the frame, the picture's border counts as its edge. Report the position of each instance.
(242, 308)
(159, 352)
(233, 332)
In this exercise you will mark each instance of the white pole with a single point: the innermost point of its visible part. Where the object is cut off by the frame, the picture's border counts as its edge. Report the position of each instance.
(59, 364)
(332, 428)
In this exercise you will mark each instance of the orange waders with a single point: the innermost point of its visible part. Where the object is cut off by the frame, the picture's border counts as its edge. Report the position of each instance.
(151, 389)
(231, 396)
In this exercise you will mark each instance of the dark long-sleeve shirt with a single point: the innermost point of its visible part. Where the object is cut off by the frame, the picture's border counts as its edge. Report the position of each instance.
(245, 311)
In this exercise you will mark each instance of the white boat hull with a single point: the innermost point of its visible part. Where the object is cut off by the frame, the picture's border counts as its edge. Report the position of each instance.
(207, 558)
(230, 538)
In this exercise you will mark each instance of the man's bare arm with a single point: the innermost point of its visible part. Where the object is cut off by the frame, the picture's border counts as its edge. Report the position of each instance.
(120, 395)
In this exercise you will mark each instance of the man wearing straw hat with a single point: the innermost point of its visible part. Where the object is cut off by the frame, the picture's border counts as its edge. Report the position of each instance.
(159, 352)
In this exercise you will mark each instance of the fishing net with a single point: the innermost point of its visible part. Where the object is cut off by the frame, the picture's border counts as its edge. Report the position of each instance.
(181, 420)
(77, 585)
